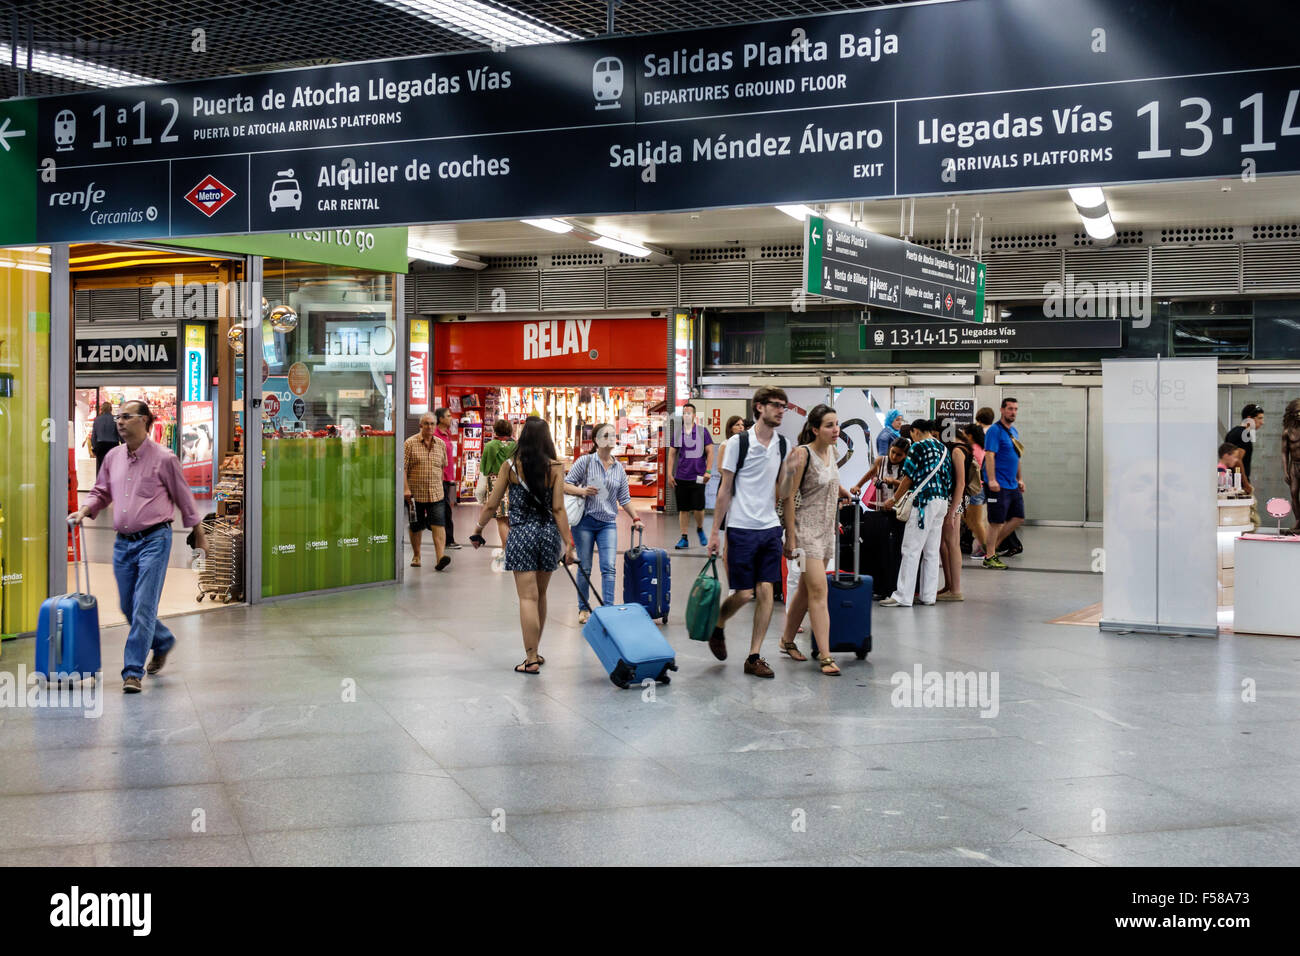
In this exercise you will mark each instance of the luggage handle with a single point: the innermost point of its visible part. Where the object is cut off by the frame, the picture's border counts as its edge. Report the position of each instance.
(84, 598)
(591, 589)
(638, 534)
(857, 541)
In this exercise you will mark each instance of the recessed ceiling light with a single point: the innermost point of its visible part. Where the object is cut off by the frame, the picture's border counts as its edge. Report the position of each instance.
(1101, 228)
(550, 225)
(482, 22)
(72, 68)
(428, 255)
(1088, 197)
(797, 211)
(618, 245)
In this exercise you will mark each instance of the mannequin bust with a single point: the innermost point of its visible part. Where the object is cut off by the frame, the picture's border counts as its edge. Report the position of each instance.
(1291, 456)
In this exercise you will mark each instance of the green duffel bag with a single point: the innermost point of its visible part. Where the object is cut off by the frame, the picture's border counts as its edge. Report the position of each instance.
(705, 603)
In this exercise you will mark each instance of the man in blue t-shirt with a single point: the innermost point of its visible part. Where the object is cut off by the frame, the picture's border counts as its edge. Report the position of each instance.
(1004, 487)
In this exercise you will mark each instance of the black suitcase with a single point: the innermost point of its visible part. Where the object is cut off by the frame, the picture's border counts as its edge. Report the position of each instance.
(880, 548)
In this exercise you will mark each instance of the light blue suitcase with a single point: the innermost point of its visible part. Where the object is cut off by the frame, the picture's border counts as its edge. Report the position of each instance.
(67, 632)
(629, 644)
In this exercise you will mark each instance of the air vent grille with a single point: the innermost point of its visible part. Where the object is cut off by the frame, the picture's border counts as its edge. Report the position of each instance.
(446, 290)
(1197, 234)
(564, 259)
(718, 254)
(1181, 271)
(1271, 268)
(1037, 240)
(652, 287)
(715, 284)
(511, 262)
(1285, 231)
(509, 292)
(791, 250)
(572, 289)
(1022, 274)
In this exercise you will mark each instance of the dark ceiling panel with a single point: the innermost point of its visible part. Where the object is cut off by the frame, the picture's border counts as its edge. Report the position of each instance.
(153, 37)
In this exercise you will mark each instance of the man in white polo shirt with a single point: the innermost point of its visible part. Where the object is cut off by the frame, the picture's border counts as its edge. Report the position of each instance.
(751, 465)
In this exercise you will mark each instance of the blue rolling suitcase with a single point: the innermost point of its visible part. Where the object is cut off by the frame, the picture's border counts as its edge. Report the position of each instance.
(647, 578)
(629, 645)
(848, 598)
(67, 632)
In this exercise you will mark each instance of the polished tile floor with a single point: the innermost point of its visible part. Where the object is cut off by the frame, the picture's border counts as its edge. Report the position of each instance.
(385, 726)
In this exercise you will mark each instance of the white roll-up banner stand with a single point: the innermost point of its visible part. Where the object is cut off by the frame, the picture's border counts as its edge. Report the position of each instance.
(1161, 557)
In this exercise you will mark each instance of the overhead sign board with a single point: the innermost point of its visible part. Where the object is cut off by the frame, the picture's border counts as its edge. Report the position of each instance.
(861, 266)
(1033, 334)
(910, 99)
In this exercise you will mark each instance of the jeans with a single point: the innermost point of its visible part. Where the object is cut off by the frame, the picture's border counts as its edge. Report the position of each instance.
(449, 496)
(589, 533)
(140, 567)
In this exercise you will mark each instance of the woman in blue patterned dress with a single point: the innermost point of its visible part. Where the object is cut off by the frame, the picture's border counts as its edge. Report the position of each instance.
(538, 529)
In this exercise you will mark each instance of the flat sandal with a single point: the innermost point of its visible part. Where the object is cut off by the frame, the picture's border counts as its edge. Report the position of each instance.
(825, 662)
(792, 649)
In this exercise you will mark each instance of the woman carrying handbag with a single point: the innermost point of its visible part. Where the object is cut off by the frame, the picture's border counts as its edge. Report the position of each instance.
(922, 502)
(598, 477)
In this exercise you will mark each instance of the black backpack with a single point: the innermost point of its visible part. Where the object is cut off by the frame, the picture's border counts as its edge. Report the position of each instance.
(744, 451)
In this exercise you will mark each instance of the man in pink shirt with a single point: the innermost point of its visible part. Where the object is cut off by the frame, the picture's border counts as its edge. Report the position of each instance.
(449, 494)
(145, 484)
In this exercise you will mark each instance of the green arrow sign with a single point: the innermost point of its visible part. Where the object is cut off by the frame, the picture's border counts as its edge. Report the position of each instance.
(18, 172)
(814, 241)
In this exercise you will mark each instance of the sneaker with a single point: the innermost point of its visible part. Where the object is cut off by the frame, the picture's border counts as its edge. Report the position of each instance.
(994, 563)
(704, 542)
(758, 667)
(157, 661)
(978, 553)
(682, 543)
(452, 546)
(950, 596)
(892, 602)
(718, 644)
(130, 685)
(1010, 552)
(442, 563)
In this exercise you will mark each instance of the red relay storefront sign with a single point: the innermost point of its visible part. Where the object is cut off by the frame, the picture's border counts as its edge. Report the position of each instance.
(553, 350)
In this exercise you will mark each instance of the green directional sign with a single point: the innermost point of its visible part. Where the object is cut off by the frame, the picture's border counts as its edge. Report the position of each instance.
(18, 172)
(856, 265)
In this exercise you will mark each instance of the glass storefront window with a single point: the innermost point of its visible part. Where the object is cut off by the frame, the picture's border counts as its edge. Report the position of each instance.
(328, 484)
(25, 434)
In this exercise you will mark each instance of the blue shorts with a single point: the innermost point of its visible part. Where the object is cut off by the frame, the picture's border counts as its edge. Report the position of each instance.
(1005, 504)
(977, 499)
(753, 557)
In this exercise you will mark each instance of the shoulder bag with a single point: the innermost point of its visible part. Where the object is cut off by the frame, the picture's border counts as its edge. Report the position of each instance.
(575, 506)
(903, 506)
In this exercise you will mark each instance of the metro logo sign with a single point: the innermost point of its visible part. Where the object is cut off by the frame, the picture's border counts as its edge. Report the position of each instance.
(210, 195)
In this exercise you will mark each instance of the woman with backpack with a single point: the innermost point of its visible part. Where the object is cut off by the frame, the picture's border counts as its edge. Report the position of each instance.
(598, 477)
(538, 529)
(811, 472)
(965, 481)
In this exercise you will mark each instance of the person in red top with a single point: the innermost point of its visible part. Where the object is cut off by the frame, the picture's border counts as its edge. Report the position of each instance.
(449, 495)
(144, 483)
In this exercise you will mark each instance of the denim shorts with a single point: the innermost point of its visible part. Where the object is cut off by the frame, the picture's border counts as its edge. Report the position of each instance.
(978, 499)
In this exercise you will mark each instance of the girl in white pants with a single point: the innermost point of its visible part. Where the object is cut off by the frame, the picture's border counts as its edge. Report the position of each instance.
(921, 550)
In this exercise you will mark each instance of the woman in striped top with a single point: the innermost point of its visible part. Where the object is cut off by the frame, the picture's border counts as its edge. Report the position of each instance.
(599, 477)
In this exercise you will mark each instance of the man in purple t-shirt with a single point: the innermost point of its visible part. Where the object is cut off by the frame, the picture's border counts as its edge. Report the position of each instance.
(690, 459)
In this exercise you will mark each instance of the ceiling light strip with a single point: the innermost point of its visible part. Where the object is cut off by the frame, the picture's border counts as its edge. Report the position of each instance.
(72, 68)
